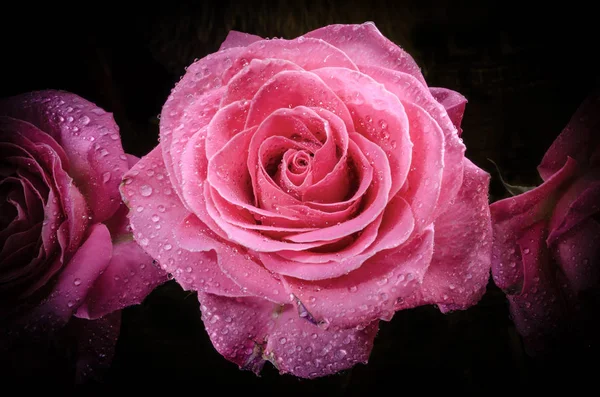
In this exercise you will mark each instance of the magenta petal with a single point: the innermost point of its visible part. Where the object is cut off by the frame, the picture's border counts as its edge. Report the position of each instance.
(578, 254)
(365, 45)
(458, 274)
(128, 279)
(76, 279)
(580, 202)
(513, 215)
(155, 212)
(96, 341)
(578, 140)
(249, 331)
(536, 308)
(454, 103)
(238, 39)
(89, 137)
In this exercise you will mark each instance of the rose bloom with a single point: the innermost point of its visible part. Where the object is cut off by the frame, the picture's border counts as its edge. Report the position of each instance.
(546, 256)
(68, 262)
(306, 189)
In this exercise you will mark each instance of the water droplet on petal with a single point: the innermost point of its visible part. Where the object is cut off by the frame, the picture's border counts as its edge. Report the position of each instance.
(77, 282)
(106, 177)
(145, 190)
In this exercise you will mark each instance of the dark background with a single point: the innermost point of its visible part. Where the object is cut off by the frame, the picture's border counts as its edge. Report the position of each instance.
(523, 68)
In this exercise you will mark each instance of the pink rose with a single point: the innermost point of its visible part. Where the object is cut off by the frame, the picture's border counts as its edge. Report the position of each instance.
(546, 253)
(67, 258)
(306, 189)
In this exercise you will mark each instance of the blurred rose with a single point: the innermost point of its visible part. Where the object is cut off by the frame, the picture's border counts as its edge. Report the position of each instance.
(67, 258)
(546, 241)
(306, 189)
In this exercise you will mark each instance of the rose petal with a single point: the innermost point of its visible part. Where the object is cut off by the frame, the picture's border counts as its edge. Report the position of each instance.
(408, 89)
(249, 331)
(290, 89)
(424, 179)
(191, 106)
(371, 291)
(365, 45)
(580, 202)
(377, 114)
(89, 136)
(458, 274)
(308, 54)
(128, 279)
(389, 230)
(245, 84)
(536, 307)
(454, 103)
(74, 281)
(374, 201)
(155, 211)
(227, 123)
(578, 254)
(238, 39)
(578, 140)
(513, 215)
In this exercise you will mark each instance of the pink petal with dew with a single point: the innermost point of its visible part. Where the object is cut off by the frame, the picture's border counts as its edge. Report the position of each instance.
(249, 331)
(408, 89)
(365, 45)
(155, 212)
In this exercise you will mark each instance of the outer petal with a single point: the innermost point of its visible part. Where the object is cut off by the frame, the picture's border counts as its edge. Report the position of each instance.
(155, 211)
(578, 140)
(74, 282)
(511, 216)
(370, 292)
(248, 331)
(238, 39)
(191, 106)
(127, 280)
(365, 45)
(459, 272)
(536, 309)
(454, 103)
(408, 89)
(89, 137)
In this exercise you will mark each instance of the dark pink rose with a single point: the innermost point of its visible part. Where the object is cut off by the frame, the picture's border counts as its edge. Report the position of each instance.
(306, 189)
(67, 257)
(546, 252)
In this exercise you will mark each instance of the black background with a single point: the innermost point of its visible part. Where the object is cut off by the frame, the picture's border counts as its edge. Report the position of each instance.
(523, 68)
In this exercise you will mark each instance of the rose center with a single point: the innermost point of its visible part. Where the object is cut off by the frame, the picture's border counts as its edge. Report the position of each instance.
(300, 162)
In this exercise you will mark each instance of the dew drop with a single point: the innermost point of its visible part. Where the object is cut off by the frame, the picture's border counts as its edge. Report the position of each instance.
(282, 341)
(145, 190)
(106, 177)
(85, 120)
(161, 208)
(77, 282)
